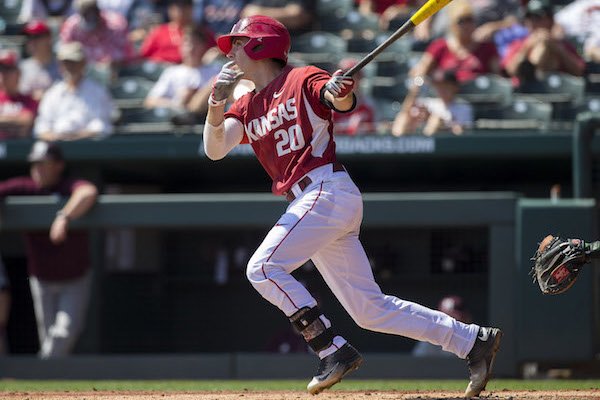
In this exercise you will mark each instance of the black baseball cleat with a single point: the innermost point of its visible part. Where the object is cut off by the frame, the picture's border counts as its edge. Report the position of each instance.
(481, 360)
(334, 367)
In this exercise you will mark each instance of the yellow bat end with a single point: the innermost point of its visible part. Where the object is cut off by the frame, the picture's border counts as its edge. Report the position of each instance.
(428, 9)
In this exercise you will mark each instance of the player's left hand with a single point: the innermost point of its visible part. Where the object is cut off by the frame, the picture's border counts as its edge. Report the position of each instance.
(339, 85)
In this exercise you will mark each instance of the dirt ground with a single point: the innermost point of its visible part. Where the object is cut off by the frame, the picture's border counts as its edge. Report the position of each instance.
(275, 395)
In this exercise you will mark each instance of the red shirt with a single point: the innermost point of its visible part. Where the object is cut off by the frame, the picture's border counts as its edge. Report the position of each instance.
(163, 44)
(478, 62)
(382, 5)
(15, 106)
(45, 260)
(287, 125)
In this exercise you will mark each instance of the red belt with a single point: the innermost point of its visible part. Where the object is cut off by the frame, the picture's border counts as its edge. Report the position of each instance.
(306, 181)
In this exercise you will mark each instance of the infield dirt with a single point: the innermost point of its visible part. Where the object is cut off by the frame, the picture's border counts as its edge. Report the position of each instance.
(290, 395)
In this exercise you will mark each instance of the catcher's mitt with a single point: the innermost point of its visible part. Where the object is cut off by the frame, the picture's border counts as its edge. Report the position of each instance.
(557, 263)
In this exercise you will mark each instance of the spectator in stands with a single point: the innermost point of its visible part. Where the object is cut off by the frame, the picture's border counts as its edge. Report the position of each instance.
(178, 84)
(103, 35)
(5, 300)
(297, 15)
(163, 44)
(361, 119)
(40, 70)
(43, 10)
(76, 107)
(388, 10)
(58, 260)
(218, 15)
(434, 114)
(17, 111)
(578, 20)
(458, 51)
(454, 306)
(540, 52)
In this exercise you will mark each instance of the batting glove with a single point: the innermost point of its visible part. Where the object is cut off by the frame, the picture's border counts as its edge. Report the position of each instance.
(224, 84)
(339, 85)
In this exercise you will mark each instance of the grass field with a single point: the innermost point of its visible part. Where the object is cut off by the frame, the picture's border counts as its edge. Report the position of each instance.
(293, 389)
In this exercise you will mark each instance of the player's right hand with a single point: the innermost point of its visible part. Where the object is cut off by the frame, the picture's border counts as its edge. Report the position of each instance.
(225, 82)
(339, 85)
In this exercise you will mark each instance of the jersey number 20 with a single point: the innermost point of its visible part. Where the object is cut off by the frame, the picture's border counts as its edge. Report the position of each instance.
(290, 140)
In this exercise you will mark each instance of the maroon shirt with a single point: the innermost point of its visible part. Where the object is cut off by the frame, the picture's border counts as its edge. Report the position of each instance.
(45, 260)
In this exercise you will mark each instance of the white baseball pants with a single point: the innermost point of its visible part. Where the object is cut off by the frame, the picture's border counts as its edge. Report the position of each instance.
(322, 224)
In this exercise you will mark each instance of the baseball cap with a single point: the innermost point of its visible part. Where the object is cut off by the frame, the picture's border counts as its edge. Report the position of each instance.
(41, 151)
(539, 8)
(8, 59)
(36, 28)
(71, 51)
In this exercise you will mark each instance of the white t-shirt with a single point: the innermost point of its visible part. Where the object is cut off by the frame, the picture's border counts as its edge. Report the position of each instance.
(176, 80)
(64, 111)
(580, 18)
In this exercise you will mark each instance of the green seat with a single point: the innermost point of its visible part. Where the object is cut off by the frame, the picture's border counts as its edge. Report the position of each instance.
(326, 8)
(352, 20)
(10, 10)
(131, 87)
(521, 114)
(147, 69)
(319, 47)
(555, 88)
(487, 89)
(145, 115)
(395, 89)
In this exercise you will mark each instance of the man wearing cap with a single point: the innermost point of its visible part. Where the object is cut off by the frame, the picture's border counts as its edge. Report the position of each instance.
(58, 260)
(76, 107)
(103, 34)
(539, 53)
(17, 111)
(40, 70)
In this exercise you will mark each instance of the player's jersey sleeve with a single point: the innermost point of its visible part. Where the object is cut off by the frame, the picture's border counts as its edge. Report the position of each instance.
(313, 85)
(238, 110)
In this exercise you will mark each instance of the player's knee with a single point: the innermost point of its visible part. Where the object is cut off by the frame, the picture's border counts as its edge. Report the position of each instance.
(254, 271)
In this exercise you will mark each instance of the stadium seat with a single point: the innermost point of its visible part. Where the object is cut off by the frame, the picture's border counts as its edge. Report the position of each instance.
(359, 44)
(147, 69)
(145, 115)
(524, 114)
(487, 89)
(318, 46)
(521, 114)
(9, 12)
(555, 88)
(592, 78)
(386, 110)
(130, 91)
(394, 89)
(353, 21)
(326, 8)
(391, 68)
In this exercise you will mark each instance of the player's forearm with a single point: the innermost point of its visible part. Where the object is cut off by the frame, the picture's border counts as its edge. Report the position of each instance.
(220, 139)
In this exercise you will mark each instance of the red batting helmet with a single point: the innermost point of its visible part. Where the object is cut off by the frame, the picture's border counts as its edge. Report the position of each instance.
(269, 38)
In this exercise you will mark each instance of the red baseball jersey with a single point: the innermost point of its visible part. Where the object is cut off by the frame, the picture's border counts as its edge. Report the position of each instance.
(287, 125)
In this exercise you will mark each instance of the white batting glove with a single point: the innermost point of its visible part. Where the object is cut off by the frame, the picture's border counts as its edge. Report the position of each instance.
(339, 85)
(224, 84)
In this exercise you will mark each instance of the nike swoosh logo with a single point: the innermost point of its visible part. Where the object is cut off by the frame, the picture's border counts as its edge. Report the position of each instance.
(277, 94)
(484, 334)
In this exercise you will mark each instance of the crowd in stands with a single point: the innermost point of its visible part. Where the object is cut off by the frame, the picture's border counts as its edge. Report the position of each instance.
(75, 55)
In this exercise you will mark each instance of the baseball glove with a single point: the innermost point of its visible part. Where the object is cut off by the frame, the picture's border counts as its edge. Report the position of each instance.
(557, 263)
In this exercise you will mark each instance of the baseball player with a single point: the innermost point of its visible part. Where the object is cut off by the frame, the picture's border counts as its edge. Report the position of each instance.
(287, 121)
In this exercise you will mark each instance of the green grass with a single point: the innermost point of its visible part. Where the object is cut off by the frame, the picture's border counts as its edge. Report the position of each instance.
(238, 385)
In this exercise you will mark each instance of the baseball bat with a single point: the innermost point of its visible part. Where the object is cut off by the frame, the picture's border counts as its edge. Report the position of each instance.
(426, 11)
